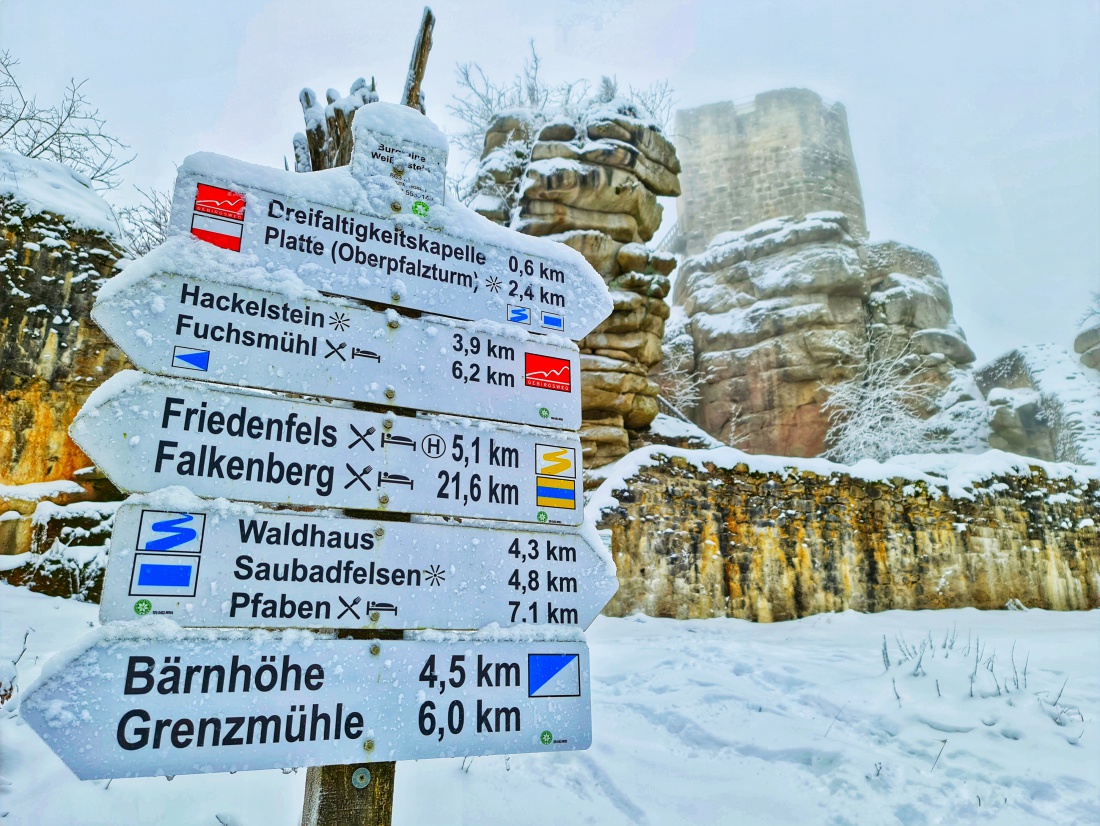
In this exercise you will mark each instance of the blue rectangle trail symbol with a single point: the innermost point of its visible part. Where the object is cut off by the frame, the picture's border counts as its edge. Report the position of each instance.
(553, 675)
(553, 321)
(165, 576)
(191, 359)
(162, 574)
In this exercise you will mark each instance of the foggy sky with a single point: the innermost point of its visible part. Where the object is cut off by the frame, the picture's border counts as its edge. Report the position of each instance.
(974, 124)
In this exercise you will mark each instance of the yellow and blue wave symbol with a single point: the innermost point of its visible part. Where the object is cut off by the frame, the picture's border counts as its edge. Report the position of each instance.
(555, 476)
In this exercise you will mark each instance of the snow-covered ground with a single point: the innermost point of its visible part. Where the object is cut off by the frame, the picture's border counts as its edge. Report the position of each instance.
(697, 722)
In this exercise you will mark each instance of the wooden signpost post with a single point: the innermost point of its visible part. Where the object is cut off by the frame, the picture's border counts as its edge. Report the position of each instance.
(341, 641)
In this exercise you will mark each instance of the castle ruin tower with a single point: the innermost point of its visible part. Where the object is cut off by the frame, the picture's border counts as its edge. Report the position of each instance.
(785, 153)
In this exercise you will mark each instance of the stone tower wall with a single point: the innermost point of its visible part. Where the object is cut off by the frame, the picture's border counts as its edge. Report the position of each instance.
(786, 153)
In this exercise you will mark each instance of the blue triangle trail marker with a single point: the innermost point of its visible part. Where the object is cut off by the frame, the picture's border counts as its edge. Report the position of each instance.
(190, 359)
(553, 675)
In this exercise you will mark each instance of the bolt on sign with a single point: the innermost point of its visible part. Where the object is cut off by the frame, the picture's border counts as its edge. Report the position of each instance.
(184, 704)
(242, 567)
(193, 326)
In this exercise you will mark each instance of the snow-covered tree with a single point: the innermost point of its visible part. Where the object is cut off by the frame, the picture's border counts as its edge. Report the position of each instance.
(145, 224)
(874, 414)
(71, 132)
(680, 384)
(532, 102)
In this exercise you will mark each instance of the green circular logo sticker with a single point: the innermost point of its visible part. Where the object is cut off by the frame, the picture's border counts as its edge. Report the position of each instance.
(542, 517)
(142, 607)
(544, 413)
(420, 208)
(546, 738)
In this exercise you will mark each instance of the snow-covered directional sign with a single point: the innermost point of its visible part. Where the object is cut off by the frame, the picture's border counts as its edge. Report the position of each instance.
(169, 702)
(147, 433)
(355, 231)
(201, 328)
(204, 564)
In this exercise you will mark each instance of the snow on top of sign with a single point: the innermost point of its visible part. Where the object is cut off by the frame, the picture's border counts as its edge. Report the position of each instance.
(401, 122)
(338, 188)
(46, 186)
(188, 256)
(495, 632)
(123, 381)
(958, 473)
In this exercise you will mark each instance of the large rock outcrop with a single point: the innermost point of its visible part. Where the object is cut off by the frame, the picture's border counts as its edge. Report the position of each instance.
(58, 243)
(780, 311)
(722, 533)
(1087, 343)
(592, 183)
(1043, 404)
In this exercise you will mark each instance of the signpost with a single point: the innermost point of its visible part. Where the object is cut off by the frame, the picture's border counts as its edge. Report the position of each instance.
(242, 567)
(480, 272)
(191, 327)
(235, 297)
(147, 433)
(138, 707)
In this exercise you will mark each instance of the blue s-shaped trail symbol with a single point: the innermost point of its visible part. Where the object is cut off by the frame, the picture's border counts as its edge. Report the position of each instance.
(177, 534)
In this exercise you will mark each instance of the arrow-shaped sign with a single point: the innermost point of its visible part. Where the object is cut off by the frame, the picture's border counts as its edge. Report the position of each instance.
(203, 564)
(329, 231)
(147, 433)
(195, 326)
(169, 702)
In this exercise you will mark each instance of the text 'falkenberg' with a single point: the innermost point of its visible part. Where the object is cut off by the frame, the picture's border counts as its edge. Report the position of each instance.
(137, 729)
(211, 463)
(350, 252)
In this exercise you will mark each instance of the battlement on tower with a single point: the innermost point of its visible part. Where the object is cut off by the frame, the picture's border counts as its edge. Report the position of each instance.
(786, 152)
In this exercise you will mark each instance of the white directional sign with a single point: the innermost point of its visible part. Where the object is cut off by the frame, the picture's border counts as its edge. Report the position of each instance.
(185, 704)
(244, 567)
(193, 327)
(147, 433)
(475, 271)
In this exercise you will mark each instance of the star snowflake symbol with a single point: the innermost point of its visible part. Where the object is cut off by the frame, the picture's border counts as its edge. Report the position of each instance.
(339, 321)
(434, 574)
(493, 283)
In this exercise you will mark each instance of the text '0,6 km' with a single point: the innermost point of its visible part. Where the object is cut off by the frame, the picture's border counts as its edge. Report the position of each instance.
(201, 328)
(186, 704)
(239, 566)
(405, 261)
(147, 433)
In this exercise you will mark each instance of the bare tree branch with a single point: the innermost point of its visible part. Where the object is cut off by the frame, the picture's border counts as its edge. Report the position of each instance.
(71, 132)
(145, 225)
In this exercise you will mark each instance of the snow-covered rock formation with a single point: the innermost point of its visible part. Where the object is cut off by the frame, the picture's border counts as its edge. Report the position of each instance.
(1043, 404)
(781, 310)
(592, 183)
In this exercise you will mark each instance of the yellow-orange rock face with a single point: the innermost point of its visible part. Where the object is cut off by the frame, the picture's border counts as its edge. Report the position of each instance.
(767, 547)
(51, 354)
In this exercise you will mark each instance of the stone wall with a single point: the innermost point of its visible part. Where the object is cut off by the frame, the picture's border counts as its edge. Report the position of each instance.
(787, 153)
(696, 539)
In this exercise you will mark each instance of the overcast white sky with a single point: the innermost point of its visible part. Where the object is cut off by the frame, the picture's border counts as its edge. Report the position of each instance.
(975, 124)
